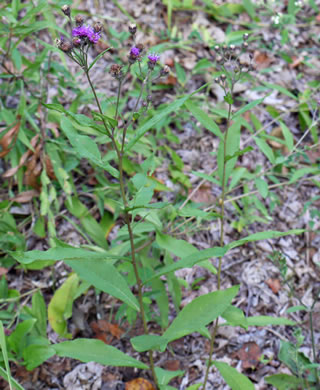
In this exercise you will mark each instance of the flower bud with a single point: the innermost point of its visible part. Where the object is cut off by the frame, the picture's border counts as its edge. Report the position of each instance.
(79, 20)
(132, 28)
(76, 42)
(98, 27)
(66, 10)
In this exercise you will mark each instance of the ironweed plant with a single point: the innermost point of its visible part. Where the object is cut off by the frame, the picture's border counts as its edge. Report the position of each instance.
(138, 267)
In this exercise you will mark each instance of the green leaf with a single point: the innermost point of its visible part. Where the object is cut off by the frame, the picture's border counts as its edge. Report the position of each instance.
(9, 379)
(247, 107)
(35, 354)
(262, 187)
(179, 248)
(301, 172)
(285, 381)
(287, 136)
(165, 376)
(235, 317)
(204, 119)
(181, 74)
(98, 57)
(3, 346)
(200, 312)
(266, 235)
(268, 320)
(18, 338)
(265, 149)
(233, 144)
(149, 342)
(104, 276)
(172, 106)
(249, 7)
(281, 89)
(60, 306)
(191, 260)
(296, 308)
(88, 350)
(39, 311)
(233, 377)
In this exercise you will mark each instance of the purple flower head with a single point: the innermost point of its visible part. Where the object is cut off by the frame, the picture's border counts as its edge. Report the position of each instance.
(86, 32)
(153, 57)
(135, 52)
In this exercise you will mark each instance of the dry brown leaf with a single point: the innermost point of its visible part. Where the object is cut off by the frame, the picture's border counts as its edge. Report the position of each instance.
(25, 196)
(262, 60)
(172, 365)
(277, 132)
(274, 284)
(9, 139)
(106, 331)
(3, 271)
(203, 195)
(296, 61)
(249, 355)
(139, 384)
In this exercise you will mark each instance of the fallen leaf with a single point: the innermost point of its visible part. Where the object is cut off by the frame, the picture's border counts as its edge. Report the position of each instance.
(139, 384)
(249, 354)
(25, 196)
(3, 271)
(203, 195)
(261, 60)
(106, 331)
(274, 284)
(172, 365)
(9, 139)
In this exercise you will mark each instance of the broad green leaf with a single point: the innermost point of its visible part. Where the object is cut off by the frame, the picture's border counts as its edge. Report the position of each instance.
(104, 276)
(88, 350)
(191, 260)
(60, 306)
(249, 7)
(36, 354)
(165, 376)
(149, 342)
(58, 254)
(292, 358)
(39, 311)
(204, 119)
(233, 377)
(285, 382)
(296, 308)
(268, 320)
(265, 149)
(172, 106)
(179, 248)
(200, 312)
(18, 338)
(235, 317)
(287, 136)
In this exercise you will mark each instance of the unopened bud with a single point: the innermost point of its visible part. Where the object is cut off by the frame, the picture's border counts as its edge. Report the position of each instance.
(66, 10)
(132, 28)
(79, 20)
(140, 47)
(245, 45)
(165, 71)
(98, 27)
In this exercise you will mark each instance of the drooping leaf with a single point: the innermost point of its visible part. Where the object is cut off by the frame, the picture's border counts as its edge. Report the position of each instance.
(88, 350)
(233, 377)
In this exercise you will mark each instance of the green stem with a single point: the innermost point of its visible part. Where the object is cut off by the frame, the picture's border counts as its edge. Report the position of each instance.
(222, 201)
(128, 223)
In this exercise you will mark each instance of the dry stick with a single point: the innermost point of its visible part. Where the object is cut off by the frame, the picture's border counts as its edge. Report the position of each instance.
(127, 219)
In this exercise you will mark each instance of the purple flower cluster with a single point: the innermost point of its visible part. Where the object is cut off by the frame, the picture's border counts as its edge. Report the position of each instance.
(86, 32)
(135, 52)
(154, 58)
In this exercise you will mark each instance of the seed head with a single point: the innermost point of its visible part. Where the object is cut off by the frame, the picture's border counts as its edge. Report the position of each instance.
(232, 47)
(219, 59)
(245, 36)
(65, 46)
(116, 71)
(217, 48)
(76, 42)
(132, 28)
(164, 71)
(217, 80)
(79, 20)
(66, 10)
(245, 45)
